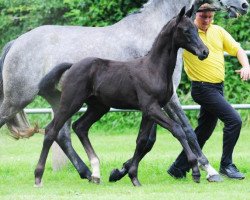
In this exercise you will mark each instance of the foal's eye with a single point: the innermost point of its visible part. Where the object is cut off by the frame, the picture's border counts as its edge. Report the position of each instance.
(186, 31)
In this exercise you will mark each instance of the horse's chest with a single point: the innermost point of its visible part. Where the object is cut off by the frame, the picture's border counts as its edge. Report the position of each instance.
(162, 91)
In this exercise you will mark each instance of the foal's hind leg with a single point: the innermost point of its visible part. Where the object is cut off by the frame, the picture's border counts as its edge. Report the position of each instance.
(117, 174)
(63, 138)
(81, 127)
(51, 133)
(71, 102)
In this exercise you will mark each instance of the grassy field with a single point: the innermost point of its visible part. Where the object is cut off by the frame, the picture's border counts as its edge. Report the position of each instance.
(19, 158)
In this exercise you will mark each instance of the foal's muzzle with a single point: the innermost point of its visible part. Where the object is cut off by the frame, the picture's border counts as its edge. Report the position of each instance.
(203, 54)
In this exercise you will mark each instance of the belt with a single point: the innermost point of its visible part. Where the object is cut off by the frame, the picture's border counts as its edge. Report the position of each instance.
(207, 83)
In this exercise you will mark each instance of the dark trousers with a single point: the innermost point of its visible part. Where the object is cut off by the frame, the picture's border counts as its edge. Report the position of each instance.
(213, 107)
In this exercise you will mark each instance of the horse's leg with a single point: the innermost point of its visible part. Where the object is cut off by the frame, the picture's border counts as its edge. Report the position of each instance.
(81, 127)
(141, 149)
(18, 125)
(71, 101)
(51, 133)
(159, 117)
(63, 139)
(117, 174)
(175, 112)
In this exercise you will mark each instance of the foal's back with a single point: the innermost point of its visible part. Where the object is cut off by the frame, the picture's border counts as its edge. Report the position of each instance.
(112, 83)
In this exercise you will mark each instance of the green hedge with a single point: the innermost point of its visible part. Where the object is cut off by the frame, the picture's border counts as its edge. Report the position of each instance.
(20, 16)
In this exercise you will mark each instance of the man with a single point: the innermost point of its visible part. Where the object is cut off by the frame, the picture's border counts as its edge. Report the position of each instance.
(207, 90)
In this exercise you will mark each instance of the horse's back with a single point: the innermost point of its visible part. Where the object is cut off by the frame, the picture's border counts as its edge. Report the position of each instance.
(47, 46)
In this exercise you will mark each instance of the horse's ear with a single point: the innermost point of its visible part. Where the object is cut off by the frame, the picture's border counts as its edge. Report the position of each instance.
(180, 15)
(189, 13)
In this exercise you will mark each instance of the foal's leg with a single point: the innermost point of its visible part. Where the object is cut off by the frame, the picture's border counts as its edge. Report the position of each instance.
(72, 99)
(63, 138)
(175, 112)
(117, 174)
(51, 133)
(81, 128)
(156, 113)
(141, 149)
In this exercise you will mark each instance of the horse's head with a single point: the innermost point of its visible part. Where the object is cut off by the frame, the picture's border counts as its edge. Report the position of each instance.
(186, 35)
(233, 7)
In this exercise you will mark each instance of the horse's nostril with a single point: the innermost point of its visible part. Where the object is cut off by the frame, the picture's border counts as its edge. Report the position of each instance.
(245, 5)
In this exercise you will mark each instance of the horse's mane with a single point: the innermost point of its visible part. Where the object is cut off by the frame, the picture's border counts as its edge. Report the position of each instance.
(154, 3)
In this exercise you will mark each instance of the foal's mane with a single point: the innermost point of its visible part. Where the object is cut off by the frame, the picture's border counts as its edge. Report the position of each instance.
(167, 30)
(167, 27)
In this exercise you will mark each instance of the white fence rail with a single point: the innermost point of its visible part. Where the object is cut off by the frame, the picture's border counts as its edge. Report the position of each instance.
(184, 107)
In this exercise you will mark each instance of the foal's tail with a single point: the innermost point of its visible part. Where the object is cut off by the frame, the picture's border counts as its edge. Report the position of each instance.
(50, 80)
(2, 58)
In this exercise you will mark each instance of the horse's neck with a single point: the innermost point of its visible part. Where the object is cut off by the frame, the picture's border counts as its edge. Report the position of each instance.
(163, 54)
(152, 17)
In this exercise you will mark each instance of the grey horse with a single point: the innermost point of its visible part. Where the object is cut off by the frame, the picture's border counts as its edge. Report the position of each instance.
(26, 60)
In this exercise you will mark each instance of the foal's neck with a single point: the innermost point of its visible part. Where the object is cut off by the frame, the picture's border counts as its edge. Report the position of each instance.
(163, 54)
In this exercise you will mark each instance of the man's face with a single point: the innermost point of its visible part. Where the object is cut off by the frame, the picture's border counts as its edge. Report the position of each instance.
(204, 19)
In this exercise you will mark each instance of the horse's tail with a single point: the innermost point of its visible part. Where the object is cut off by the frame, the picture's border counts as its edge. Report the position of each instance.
(50, 80)
(2, 58)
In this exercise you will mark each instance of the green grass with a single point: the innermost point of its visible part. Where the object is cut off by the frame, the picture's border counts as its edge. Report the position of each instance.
(19, 158)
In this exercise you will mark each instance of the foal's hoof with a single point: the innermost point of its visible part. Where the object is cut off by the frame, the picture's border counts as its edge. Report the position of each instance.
(114, 175)
(38, 185)
(95, 180)
(196, 178)
(136, 182)
(215, 178)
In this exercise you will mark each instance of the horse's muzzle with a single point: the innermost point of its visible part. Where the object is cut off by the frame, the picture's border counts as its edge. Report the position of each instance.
(204, 54)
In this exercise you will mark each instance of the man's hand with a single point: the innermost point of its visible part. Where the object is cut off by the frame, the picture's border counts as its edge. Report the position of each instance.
(244, 73)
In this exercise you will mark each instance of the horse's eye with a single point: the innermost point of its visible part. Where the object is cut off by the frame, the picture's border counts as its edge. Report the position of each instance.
(186, 31)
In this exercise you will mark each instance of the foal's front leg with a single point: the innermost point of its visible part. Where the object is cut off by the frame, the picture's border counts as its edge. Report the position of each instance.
(156, 113)
(117, 174)
(175, 112)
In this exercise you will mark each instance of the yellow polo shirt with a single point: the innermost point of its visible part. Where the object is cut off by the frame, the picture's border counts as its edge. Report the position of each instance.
(212, 69)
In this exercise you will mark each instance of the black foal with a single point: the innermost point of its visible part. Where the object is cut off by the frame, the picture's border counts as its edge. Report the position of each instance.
(144, 84)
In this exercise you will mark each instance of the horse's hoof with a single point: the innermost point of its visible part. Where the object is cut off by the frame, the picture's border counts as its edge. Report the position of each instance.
(114, 175)
(95, 180)
(196, 179)
(38, 185)
(215, 178)
(136, 182)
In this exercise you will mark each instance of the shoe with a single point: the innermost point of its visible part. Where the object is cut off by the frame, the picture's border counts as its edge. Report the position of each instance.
(176, 172)
(231, 171)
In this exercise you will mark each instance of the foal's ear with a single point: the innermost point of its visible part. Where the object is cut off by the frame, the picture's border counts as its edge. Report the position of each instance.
(190, 12)
(180, 15)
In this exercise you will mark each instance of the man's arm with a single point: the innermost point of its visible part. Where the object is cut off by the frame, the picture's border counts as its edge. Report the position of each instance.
(245, 70)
